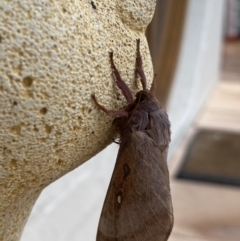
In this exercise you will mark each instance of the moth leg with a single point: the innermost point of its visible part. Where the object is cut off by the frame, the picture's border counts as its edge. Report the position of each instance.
(139, 69)
(120, 83)
(114, 113)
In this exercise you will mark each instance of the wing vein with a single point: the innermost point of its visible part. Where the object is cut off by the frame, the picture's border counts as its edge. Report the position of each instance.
(150, 235)
(163, 186)
(132, 226)
(170, 212)
(154, 213)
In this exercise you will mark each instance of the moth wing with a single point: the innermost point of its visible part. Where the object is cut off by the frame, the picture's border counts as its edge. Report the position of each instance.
(138, 202)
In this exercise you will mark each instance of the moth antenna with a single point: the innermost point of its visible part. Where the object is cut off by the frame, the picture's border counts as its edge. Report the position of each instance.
(153, 86)
(134, 109)
(139, 69)
(120, 83)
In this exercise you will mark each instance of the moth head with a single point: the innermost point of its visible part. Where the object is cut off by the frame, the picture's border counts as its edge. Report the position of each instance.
(143, 96)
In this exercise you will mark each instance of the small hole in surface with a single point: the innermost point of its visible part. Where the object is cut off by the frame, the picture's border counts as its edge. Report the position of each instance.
(12, 163)
(93, 5)
(59, 163)
(16, 130)
(42, 140)
(76, 128)
(35, 128)
(43, 111)
(48, 128)
(27, 81)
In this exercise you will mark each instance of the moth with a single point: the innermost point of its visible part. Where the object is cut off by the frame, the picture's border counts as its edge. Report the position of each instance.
(138, 203)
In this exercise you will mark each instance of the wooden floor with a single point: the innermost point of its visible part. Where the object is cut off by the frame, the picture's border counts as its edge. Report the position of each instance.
(205, 211)
(231, 61)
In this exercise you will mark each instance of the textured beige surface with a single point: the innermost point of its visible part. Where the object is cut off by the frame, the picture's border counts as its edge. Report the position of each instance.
(53, 56)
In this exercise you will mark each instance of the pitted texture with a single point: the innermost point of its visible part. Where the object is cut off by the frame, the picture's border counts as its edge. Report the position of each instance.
(53, 56)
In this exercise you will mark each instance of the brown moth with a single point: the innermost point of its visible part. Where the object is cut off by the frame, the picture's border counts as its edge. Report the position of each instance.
(138, 203)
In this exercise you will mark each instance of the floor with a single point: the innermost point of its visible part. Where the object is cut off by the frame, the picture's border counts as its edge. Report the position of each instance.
(231, 63)
(207, 211)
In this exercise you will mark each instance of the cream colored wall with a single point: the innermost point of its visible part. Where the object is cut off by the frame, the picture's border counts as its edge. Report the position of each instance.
(53, 56)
